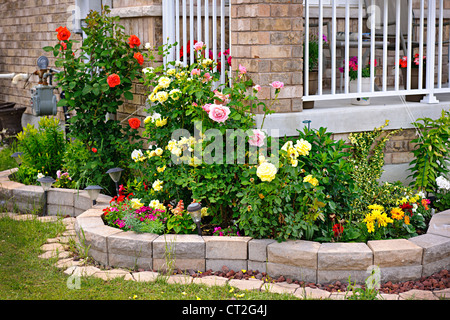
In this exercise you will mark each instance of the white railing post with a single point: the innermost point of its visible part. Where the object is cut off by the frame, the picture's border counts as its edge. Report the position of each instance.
(306, 46)
(431, 36)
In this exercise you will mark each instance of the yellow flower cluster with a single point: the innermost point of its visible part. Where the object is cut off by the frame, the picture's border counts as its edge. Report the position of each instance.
(155, 204)
(156, 119)
(377, 217)
(157, 185)
(301, 148)
(177, 148)
(313, 181)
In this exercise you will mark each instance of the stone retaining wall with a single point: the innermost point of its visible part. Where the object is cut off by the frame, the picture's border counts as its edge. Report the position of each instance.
(398, 260)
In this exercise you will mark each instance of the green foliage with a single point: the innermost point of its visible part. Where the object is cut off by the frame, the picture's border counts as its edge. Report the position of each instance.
(43, 149)
(305, 196)
(105, 51)
(431, 151)
(6, 162)
(367, 159)
(177, 96)
(180, 223)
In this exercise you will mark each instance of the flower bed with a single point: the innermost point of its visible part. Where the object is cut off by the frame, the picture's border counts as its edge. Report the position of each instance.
(204, 147)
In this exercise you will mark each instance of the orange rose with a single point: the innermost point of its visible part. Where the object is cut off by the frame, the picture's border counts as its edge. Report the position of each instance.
(134, 123)
(134, 41)
(139, 58)
(113, 80)
(63, 33)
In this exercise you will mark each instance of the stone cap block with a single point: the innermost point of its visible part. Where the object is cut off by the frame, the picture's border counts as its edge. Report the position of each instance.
(344, 256)
(226, 247)
(60, 196)
(257, 249)
(186, 246)
(131, 243)
(440, 224)
(294, 253)
(97, 236)
(435, 247)
(395, 253)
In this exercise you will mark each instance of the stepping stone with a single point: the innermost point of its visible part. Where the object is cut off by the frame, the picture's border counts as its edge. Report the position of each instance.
(211, 281)
(417, 295)
(179, 279)
(280, 287)
(387, 296)
(54, 254)
(47, 219)
(23, 217)
(82, 271)
(53, 247)
(251, 284)
(143, 276)
(311, 293)
(68, 262)
(442, 294)
(111, 274)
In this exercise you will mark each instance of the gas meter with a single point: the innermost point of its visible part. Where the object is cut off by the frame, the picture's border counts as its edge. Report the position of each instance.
(43, 100)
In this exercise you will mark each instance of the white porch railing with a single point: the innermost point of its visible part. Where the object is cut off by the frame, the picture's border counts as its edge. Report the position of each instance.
(187, 20)
(387, 31)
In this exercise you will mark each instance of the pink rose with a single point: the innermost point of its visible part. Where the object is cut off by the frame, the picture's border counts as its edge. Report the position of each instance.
(242, 69)
(207, 77)
(198, 46)
(218, 113)
(257, 88)
(206, 107)
(257, 139)
(195, 72)
(220, 98)
(277, 84)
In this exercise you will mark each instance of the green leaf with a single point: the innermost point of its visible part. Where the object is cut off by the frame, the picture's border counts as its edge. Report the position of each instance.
(128, 95)
(47, 49)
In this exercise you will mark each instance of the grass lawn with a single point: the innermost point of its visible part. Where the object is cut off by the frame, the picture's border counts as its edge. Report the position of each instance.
(25, 276)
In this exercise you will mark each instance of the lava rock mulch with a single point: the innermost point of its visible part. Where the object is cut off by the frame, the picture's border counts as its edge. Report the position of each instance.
(437, 281)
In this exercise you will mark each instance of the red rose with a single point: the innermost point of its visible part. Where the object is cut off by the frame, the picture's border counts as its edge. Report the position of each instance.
(134, 41)
(338, 229)
(63, 46)
(139, 58)
(94, 150)
(63, 33)
(113, 80)
(134, 123)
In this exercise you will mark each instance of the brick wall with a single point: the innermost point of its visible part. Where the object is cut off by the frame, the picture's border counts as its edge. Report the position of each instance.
(26, 26)
(267, 39)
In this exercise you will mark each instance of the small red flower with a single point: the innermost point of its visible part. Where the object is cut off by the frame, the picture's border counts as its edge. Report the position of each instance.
(134, 123)
(63, 33)
(94, 150)
(139, 58)
(63, 46)
(134, 41)
(113, 80)
(338, 229)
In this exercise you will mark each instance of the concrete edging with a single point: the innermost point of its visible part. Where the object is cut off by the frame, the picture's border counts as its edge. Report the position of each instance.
(398, 260)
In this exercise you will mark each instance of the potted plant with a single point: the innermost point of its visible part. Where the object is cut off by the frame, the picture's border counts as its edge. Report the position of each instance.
(414, 76)
(313, 73)
(365, 80)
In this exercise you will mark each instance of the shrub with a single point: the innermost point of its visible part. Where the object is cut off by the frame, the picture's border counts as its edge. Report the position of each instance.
(431, 152)
(95, 79)
(43, 150)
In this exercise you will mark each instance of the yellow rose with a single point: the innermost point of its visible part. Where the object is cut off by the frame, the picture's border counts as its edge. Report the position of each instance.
(161, 122)
(164, 82)
(313, 181)
(266, 171)
(136, 203)
(171, 71)
(175, 94)
(159, 151)
(303, 147)
(152, 97)
(157, 185)
(162, 96)
(161, 169)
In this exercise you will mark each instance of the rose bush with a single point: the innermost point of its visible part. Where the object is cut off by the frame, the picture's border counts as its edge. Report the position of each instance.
(94, 78)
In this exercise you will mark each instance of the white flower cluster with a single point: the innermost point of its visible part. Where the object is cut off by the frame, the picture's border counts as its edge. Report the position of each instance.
(443, 183)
